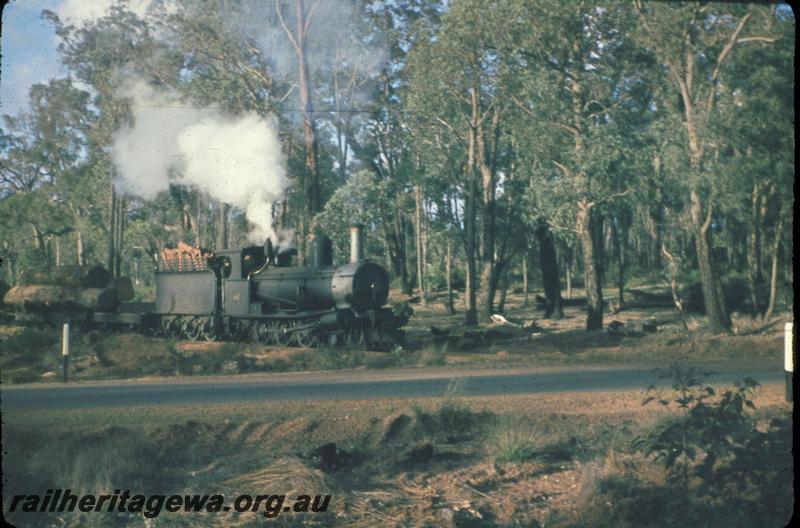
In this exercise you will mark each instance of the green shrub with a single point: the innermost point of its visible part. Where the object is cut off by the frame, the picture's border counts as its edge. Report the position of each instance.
(719, 464)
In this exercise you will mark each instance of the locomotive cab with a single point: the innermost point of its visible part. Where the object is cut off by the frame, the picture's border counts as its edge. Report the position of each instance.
(234, 267)
(239, 263)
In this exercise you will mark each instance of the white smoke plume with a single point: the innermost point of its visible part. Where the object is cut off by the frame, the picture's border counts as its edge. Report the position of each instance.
(235, 160)
(79, 11)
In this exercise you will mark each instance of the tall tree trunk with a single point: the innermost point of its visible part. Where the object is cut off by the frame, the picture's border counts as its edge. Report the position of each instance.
(502, 286)
(754, 251)
(79, 248)
(549, 266)
(471, 216)
(525, 276)
(568, 273)
(448, 265)
(655, 219)
(619, 237)
(588, 225)
(198, 210)
(773, 277)
(223, 210)
(309, 180)
(471, 316)
(485, 159)
(421, 287)
(121, 216)
(112, 228)
(713, 298)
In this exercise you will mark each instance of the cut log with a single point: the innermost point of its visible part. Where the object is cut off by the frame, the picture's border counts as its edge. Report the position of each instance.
(575, 301)
(97, 277)
(124, 287)
(100, 299)
(58, 297)
(46, 295)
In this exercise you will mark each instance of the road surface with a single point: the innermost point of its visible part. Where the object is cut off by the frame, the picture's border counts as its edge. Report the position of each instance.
(338, 386)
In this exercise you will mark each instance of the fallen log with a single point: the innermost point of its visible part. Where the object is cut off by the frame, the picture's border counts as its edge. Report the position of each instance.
(575, 301)
(638, 304)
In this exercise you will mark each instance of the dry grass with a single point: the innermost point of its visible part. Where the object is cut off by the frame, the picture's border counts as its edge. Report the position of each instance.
(575, 467)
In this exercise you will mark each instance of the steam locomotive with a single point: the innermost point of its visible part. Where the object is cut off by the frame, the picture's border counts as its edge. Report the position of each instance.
(252, 293)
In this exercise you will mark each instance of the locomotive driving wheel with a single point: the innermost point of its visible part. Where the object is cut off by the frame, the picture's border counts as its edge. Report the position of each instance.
(209, 330)
(194, 329)
(283, 333)
(354, 338)
(263, 332)
(171, 327)
(307, 339)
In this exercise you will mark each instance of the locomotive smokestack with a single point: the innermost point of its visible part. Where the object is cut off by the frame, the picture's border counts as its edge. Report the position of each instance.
(323, 251)
(356, 243)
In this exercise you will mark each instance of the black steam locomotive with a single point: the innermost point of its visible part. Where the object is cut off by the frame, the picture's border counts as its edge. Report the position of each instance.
(254, 293)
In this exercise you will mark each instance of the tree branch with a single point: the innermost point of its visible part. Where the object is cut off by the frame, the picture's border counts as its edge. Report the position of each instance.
(285, 27)
(721, 58)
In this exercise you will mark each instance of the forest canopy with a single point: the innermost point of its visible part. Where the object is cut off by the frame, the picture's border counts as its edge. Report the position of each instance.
(484, 144)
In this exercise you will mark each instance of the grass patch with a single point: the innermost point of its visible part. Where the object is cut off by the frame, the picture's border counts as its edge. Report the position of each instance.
(332, 358)
(433, 355)
(512, 441)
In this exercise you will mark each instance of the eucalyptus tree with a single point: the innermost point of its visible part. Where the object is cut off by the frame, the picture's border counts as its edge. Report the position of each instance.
(695, 43)
(457, 106)
(103, 54)
(45, 173)
(385, 140)
(572, 86)
(756, 107)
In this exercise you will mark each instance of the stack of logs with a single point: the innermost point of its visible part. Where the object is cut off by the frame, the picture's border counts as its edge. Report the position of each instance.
(184, 258)
(70, 287)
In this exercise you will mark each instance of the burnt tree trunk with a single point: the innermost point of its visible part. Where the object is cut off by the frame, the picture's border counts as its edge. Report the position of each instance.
(549, 266)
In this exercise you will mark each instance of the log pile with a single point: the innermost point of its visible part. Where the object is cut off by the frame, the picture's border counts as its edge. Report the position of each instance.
(69, 288)
(53, 297)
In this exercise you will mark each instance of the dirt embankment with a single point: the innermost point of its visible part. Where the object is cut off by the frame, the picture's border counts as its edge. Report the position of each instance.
(565, 460)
